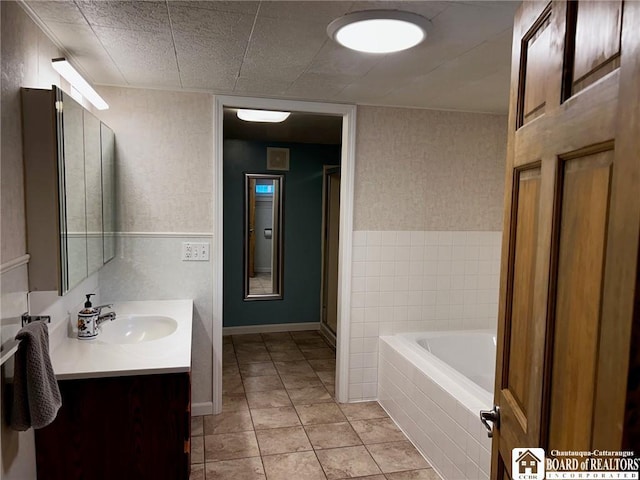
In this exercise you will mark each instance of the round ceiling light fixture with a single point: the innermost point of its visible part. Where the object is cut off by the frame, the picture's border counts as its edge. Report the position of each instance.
(265, 116)
(379, 31)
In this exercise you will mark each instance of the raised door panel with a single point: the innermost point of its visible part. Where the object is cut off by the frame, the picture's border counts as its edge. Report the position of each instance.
(582, 229)
(596, 44)
(533, 71)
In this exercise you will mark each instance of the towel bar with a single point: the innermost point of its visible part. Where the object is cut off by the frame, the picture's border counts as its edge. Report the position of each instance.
(9, 350)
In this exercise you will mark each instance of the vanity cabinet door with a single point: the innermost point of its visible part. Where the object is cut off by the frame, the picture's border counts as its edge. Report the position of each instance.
(118, 428)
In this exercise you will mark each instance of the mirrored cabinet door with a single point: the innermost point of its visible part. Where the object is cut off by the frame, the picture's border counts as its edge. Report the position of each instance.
(108, 141)
(93, 194)
(73, 225)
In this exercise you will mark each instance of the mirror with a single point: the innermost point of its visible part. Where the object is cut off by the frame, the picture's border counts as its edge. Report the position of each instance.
(93, 185)
(263, 263)
(73, 239)
(107, 140)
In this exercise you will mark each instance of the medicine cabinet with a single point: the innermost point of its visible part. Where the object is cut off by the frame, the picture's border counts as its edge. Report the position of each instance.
(69, 190)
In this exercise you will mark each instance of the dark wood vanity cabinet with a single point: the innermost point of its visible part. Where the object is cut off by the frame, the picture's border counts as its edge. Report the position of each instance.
(133, 427)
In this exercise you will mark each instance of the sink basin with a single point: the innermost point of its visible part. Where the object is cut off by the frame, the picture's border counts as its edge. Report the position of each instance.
(137, 329)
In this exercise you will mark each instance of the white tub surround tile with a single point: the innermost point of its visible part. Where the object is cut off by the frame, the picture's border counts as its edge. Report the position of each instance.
(407, 281)
(446, 432)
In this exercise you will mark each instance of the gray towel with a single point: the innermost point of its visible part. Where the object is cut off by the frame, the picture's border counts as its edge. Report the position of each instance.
(36, 396)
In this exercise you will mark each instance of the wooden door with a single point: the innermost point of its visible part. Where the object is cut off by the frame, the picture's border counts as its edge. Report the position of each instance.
(572, 219)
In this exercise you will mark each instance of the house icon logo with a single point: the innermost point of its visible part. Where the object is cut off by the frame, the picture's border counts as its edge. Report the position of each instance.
(527, 464)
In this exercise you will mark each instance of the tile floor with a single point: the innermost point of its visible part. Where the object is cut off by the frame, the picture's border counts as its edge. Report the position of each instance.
(281, 422)
(261, 283)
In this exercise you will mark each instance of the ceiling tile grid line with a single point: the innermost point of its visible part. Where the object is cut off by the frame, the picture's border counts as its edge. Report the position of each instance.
(173, 39)
(246, 49)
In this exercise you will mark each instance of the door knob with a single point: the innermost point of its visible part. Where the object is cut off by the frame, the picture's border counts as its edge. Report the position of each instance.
(492, 416)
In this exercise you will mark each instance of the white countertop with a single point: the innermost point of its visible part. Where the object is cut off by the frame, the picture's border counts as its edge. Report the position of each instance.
(75, 359)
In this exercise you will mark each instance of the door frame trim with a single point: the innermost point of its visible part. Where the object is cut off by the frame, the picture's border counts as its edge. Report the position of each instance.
(348, 113)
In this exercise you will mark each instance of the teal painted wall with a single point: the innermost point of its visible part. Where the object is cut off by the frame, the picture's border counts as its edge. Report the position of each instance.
(302, 232)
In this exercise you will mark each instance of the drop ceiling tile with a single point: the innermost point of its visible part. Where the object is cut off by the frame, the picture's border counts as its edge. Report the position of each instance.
(282, 49)
(363, 93)
(319, 12)
(210, 23)
(315, 86)
(150, 16)
(338, 60)
(86, 50)
(141, 54)
(246, 7)
(208, 63)
(261, 86)
(66, 12)
(428, 9)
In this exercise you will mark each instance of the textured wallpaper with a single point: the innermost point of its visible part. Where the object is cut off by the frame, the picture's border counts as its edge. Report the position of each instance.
(26, 62)
(429, 170)
(164, 159)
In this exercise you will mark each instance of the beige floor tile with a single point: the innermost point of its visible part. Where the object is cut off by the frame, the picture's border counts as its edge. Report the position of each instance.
(309, 395)
(247, 338)
(363, 410)
(327, 364)
(281, 346)
(197, 472)
(347, 462)
(228, 446)
(320, 413)
(246, 348)
(327, 377)
(318, 353)
(262, 384)
(259, 369)
(425, 474)
(274, 417)
(332, 435)
(306, 334)
(308, 343)
(227, 422)
(197, 426)
(268, 399)
(378, 430)
(372, 477)
(282, 440)
(276, 336)
(244, 468)
(197, 450)
(234, 402)
(293, 466)
(230, 369)
(232, 384)
(396, 457)
(331, 389)
(294, 368)
(287, 355)
(300, 381)
(253, 357)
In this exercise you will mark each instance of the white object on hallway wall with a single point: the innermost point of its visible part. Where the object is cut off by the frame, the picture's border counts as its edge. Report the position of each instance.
(195, 252)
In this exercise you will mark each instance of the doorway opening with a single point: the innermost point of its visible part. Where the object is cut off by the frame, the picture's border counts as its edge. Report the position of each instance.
(339, 246)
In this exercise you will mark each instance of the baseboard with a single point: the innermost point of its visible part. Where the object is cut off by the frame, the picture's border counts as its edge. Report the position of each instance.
(277, 327)
(199, 409)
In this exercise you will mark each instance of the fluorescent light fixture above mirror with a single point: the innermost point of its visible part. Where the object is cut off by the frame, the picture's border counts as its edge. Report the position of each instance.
(268, 116)
(71, 75)
(379, 31)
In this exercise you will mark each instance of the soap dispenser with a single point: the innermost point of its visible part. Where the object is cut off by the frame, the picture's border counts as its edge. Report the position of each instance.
(88, 320)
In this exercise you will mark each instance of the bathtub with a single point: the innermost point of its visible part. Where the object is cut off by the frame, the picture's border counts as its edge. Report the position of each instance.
(433, 385)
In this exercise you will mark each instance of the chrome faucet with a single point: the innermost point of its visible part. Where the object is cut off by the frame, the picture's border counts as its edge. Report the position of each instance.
(107, 316)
